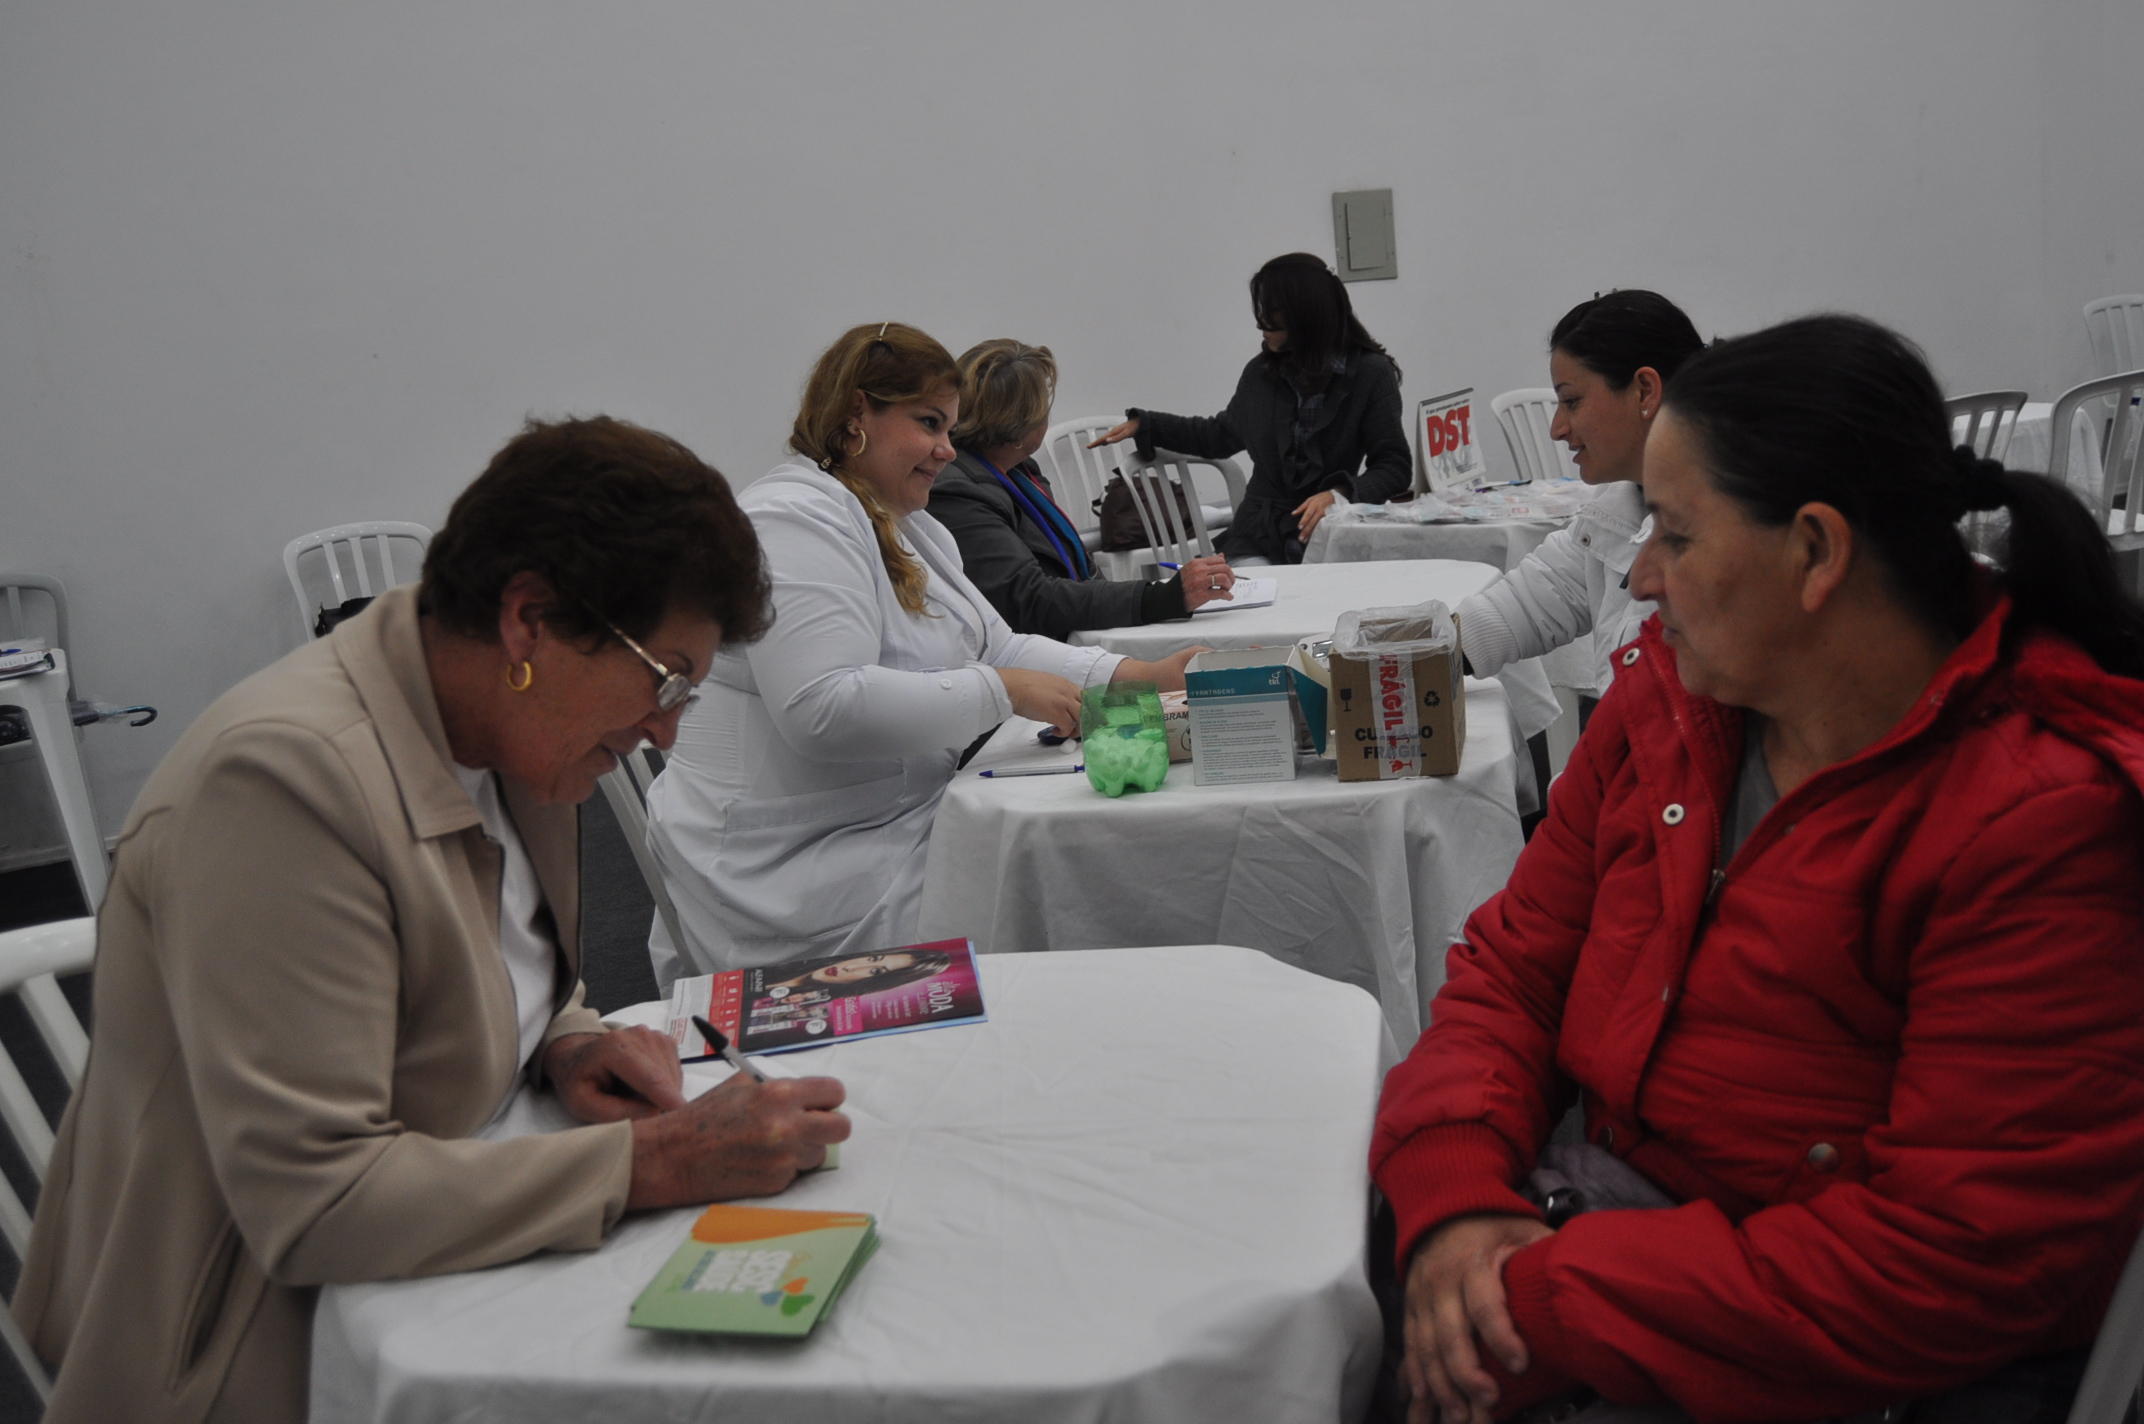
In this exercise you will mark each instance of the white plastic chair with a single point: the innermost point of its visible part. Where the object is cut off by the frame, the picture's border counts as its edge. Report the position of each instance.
(625, 787)
(2118, 403)
(2116, 326)
(45, 699)
(344, 547)
(1984, 422)
(1525, 416)
(1078, 475)
(31, 960)
(1188, 469)
(2114, 1376)
(1175, 529)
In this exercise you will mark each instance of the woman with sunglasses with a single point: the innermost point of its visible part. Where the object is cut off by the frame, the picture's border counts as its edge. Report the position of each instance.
(1318, 408)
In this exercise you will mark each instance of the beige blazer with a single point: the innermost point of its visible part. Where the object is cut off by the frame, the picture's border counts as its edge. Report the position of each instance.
(301, 1014)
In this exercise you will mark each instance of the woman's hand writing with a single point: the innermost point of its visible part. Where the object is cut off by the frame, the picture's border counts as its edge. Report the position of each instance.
(1123, 430)
(742, 1139)
(1455, 1292)
(1043, 696)
(1205, 579)
(1167, 674)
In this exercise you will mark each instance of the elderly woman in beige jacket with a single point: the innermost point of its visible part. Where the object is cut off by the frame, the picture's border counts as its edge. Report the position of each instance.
(341, 933)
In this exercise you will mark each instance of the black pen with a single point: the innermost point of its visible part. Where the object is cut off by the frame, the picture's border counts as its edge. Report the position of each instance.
(717, 1041)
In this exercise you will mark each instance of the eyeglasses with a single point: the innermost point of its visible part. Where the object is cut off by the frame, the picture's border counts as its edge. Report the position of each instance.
(672, 688)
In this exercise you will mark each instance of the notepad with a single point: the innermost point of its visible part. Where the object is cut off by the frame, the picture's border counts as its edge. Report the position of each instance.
(751, 1270)
(1245, 593)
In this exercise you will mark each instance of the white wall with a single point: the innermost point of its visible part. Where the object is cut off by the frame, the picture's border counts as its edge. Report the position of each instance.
(266, 267)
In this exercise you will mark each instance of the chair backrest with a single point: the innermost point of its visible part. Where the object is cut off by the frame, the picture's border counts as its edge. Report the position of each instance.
(1985, 421)
(372, 567)
(31, 960)
(2115, 405)
(2116, 326)
(20, 594)
(625, 787)
(1215, 470)
(2114, 1374)
(1077, 475)
(1175, 525)
(1525, 416)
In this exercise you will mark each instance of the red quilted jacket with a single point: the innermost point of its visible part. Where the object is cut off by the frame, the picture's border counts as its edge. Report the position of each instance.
(1891, 1060)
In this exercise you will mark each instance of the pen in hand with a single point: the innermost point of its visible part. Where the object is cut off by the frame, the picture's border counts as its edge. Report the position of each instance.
(719, 1041)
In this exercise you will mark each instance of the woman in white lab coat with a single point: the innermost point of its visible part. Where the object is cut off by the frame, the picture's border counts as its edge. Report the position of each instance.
(1609, 360)
(794, 814)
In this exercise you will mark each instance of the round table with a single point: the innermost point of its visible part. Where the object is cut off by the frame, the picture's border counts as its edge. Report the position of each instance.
(1137, 1193)
(1366, 882)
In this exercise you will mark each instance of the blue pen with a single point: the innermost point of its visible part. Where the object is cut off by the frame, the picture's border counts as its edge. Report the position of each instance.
(1033, 770)
(1165, 564)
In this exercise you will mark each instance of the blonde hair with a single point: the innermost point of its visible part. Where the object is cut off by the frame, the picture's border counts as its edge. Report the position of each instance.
(1006, 388)
(886, 363)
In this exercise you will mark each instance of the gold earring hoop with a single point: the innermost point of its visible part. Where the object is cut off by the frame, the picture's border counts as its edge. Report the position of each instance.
(863, 442)
(528, 676)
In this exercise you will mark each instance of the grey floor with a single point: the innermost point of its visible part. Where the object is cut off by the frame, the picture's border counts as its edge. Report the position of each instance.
(615, 911)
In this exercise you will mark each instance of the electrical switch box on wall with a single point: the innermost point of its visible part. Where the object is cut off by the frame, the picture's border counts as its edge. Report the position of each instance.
(1362, 235)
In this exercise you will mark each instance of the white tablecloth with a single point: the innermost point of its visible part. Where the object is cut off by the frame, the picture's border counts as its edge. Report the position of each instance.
(1312, 598)
(1136, 1194)
(1500, 543)
(1364, 882)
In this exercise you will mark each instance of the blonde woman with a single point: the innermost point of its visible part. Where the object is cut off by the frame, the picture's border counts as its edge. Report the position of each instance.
(1021, 550)
(793, 816)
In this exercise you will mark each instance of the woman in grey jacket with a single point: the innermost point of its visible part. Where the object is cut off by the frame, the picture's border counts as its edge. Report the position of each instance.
(1016, 545)
(1609, 359)
(1318, 409)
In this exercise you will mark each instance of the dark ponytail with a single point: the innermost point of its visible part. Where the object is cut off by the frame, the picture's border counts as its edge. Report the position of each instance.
(1614, 334)
(1840, 411)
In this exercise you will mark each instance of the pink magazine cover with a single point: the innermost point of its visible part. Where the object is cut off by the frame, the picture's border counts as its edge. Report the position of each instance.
(810, 1002)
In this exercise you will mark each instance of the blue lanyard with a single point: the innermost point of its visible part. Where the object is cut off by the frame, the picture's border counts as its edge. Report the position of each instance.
(1049, 531)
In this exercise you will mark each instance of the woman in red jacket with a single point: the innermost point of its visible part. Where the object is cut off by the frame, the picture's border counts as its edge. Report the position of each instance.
(1833, 928)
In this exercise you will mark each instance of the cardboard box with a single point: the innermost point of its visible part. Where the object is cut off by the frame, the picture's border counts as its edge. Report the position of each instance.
(1397, 715)
(1176, 721)
(1242, 716)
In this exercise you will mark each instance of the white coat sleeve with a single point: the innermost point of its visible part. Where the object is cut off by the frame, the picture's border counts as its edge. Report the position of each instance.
(1537, 607)
(818, 668)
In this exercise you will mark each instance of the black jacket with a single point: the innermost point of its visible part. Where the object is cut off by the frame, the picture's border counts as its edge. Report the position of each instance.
(1358, 422)
(1006, 555)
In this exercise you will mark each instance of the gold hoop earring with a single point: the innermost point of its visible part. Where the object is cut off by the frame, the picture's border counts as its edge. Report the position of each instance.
(863, 442)
(528, 676)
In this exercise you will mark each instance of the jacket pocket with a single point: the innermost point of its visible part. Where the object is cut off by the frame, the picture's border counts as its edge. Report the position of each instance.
(206, 1302)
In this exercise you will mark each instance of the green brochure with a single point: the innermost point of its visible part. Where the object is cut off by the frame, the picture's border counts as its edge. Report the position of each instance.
(750, 1270)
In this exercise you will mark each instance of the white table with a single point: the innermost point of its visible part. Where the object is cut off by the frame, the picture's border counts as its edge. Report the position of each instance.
(1501, 543)
(1138, 1194)
(1365, 882)
(1312, 598)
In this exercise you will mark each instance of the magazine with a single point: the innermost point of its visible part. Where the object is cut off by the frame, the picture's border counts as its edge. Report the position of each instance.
(748, 1270)
(809, 1002)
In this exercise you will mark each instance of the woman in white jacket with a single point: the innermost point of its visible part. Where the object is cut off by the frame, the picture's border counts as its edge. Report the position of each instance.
(794, 813)
(1609, 359)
